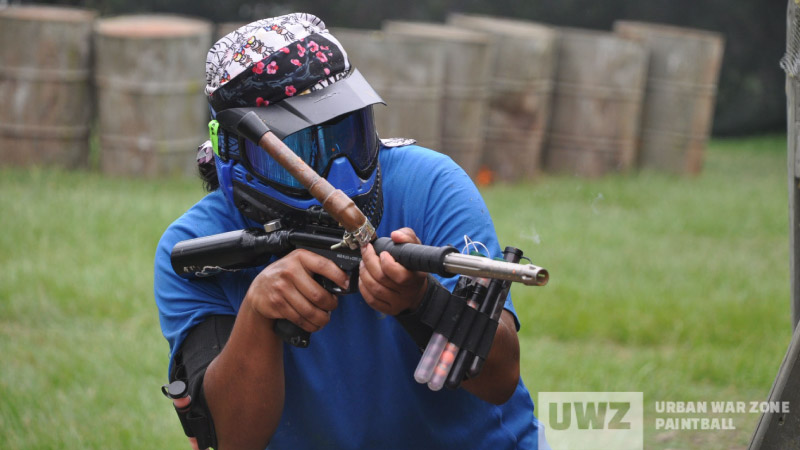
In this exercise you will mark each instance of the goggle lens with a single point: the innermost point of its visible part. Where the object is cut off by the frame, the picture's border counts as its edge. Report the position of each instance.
(352, 136)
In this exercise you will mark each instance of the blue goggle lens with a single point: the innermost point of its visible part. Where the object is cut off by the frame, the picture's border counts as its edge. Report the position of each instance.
(352, 136)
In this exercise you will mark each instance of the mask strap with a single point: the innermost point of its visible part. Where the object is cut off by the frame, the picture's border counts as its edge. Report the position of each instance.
(205, 153)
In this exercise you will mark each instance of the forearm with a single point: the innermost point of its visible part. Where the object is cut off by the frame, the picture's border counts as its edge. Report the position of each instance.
(244, 385)
(500, 373)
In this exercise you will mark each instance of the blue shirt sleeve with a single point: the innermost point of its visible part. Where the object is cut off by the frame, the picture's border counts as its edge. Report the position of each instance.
(184, 303)
(440, 202)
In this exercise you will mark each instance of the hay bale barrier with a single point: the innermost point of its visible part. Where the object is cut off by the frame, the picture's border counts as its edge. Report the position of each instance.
(681, 91)
(45, 84)
(600, 80)
(523, 63)
(368, 52)
(150, 81)
(463, 87)
(413, 88)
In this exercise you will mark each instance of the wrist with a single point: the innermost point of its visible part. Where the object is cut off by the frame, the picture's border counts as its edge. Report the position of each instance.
(411, 319)
(418, 300)
(253, 320)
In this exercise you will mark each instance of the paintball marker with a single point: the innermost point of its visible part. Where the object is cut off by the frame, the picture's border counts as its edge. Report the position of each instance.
(253, 247)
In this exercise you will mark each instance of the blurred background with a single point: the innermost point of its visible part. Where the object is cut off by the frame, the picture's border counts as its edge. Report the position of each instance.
(637, 150)
(751, 90)
(570, 87)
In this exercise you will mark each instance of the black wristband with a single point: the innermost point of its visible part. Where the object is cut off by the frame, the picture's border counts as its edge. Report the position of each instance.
(412, 321)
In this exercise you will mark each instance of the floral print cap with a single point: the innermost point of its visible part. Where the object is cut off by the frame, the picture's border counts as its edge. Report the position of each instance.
(271, 59)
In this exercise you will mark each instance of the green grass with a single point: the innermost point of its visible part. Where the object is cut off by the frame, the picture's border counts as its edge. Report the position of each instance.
(677, 287)
(82, 354)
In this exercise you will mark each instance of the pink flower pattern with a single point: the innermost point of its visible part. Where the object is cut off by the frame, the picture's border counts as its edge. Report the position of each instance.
(310, 55)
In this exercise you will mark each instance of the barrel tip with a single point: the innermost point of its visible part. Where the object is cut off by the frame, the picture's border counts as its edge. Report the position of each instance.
(539, 277)
(542, 277)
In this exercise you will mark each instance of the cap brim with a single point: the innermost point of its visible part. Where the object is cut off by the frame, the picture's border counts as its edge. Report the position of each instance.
(292, 114)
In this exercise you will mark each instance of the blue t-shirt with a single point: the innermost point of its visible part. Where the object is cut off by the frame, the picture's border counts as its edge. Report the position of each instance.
(353, 387)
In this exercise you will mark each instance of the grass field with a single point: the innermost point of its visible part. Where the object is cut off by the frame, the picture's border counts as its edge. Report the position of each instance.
(677, 287)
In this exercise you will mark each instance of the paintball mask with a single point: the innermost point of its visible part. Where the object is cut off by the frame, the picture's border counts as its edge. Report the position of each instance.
(296, 77)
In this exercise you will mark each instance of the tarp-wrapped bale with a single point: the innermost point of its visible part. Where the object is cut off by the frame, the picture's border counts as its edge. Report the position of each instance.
(150, 77)
(461, 84)
(523, 62)
(597, 104)
(680, 95)
(45, 84)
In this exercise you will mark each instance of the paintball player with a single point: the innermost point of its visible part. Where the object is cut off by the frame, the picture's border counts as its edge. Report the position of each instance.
(353, 387)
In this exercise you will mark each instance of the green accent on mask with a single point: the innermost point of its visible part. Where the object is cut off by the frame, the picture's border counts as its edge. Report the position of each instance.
(213, 134)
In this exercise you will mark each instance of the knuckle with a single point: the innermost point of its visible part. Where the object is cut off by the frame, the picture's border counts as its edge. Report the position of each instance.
(276, 304)
(380, 277)
(299, 253)
(322, 263)
(319, 297)
(316, 321)
(324, 318)
(280, 284)
(380, 292)
(270, 301)
(330, 303)
(310, 259)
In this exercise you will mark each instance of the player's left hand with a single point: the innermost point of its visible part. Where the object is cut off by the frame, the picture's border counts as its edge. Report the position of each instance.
(386, 285)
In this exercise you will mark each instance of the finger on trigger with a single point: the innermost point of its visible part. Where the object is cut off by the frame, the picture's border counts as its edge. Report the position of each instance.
(325, 267)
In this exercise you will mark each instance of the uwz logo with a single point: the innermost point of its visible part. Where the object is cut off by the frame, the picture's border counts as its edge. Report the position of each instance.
(591, 420)
(590, 415)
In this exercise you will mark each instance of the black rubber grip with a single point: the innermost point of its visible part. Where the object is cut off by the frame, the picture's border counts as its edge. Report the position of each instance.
(291, 333)
(424, 258)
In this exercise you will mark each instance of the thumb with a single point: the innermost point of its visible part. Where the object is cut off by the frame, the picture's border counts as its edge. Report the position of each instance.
(405, 235)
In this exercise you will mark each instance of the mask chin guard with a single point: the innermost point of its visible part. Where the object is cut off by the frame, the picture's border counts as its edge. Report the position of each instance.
(250, 198)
